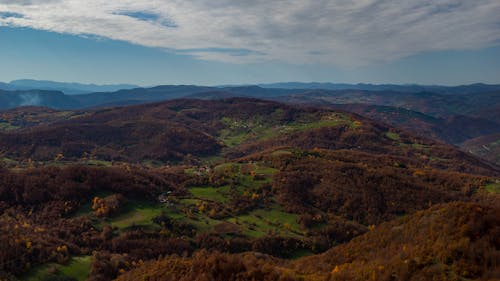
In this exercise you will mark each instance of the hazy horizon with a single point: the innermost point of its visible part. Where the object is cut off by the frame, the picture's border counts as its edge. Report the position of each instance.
(244, 84)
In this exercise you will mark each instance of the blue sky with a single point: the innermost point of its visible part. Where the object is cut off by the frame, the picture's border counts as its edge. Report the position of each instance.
(150, 42)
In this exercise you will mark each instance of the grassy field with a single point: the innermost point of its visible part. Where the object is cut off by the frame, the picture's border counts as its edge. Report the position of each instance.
(262, 222)
(136, 214)
(243, 182)
(265, 219)
(77, 268)
(218, 194)
(256, 223)
(239, 131)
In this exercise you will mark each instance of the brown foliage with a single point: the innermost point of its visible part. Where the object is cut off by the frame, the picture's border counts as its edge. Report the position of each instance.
(366, 191)
(446, 242)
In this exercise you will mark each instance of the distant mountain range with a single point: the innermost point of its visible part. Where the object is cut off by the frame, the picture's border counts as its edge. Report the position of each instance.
(411, 88)
(434, 100)
(264, 89)
(67, 88)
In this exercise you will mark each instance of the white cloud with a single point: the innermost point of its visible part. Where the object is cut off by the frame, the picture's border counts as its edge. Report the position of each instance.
(335, 32)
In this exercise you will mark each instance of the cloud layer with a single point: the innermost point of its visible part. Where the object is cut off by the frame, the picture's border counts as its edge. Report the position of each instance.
(335, 32)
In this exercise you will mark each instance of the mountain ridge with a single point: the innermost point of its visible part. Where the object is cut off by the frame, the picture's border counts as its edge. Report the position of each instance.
(70, 88)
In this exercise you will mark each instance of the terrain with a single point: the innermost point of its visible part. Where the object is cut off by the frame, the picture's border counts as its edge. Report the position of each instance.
(451, 114)
(235, 189)
(455, 129)
(487, 147)
(391, 251)
(67, 88)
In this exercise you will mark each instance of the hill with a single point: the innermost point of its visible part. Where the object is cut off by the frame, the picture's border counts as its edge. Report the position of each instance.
(67, 88)
(171, 131)
(451, 118)
(453, 129)
(487, 147)
(30, 116)
(54, 99)
(451, 242)
(103, 191)
(430, 103)
(434, 103)
(442, 241)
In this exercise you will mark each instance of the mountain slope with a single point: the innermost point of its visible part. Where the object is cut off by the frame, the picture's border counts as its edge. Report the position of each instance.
(456, 241)
(430, 103)
(446, 240)
(169, 131)
(487, 147)
(454, 129)
(54, 99)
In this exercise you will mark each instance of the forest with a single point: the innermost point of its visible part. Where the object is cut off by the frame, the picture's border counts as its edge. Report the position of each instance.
(239, 189)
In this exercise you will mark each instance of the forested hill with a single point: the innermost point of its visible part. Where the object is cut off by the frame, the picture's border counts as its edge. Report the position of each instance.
(235, 127)
(238, 188)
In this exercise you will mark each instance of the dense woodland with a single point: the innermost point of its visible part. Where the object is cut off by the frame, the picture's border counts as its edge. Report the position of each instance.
(240, 189)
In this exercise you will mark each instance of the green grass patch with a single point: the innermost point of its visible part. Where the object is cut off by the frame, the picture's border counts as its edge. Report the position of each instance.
(393, 136)
(137, 214)
(202, 222)
(235, 167)
(7, 161)
(493, 187)
(212, 160)
(6, 126)
(216, 194)
(232, 139)
(262, 222)
(419, 146)
(152, 163)
(189, 201)
(94, 162)
(281, 152)
(279, 217)
(240, 131)
(77, 268)
(268, 171)
(240, 182)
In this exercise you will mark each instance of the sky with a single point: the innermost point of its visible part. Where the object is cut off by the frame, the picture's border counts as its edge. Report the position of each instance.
(215, 42)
